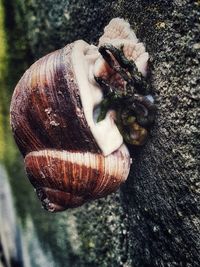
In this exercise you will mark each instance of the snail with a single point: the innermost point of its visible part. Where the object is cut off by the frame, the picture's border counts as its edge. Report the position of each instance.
(71, 110)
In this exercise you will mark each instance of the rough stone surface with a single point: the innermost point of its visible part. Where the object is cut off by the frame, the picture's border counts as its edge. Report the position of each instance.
(154, 220)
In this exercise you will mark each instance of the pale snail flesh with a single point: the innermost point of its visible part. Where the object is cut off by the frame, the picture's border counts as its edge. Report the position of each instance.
(71, 156)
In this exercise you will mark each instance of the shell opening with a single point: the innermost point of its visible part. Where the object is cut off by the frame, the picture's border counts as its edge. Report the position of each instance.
(105, 132)
(89, 64)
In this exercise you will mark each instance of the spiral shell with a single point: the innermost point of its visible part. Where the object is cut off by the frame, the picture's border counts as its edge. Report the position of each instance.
(70, 158)
(62, 158)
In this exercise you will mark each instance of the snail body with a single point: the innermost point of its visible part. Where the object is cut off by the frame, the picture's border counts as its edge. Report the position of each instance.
(70, 157)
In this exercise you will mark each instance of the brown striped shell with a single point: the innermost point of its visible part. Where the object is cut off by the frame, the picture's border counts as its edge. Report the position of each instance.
(62, 158)
(46, 109)
(66, 179)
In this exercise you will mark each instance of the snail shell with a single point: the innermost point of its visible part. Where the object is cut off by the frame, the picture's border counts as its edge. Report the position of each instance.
(69, 157)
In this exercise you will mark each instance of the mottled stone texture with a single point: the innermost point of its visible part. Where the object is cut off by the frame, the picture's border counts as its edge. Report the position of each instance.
(155, 218)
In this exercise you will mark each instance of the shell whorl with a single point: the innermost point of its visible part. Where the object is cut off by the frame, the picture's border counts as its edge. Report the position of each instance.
(65, 179)
(46, 107)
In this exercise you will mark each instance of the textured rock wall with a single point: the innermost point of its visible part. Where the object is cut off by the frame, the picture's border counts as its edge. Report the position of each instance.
(154, 219)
